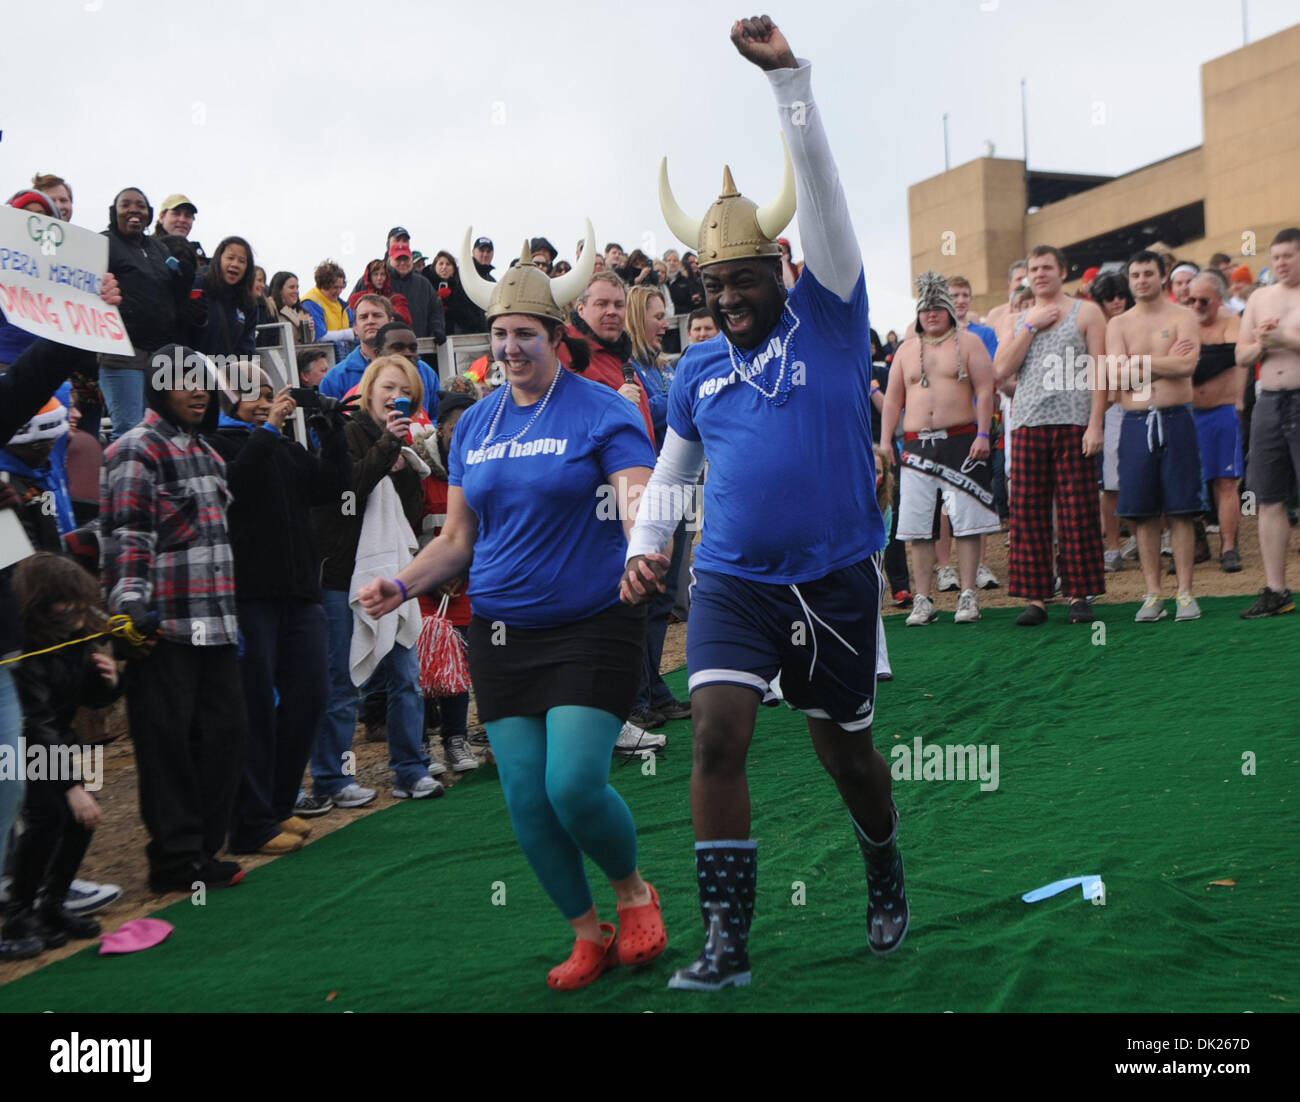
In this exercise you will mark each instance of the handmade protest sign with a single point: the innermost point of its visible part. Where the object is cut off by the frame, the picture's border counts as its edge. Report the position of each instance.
(50, 277)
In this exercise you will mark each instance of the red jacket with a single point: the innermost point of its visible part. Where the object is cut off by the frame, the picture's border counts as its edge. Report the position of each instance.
(606, 367)
(435, 516)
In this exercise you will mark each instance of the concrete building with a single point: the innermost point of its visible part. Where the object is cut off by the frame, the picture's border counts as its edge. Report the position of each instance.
(1231, 194)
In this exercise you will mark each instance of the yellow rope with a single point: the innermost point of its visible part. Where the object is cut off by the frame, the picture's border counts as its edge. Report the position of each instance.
(119, 625)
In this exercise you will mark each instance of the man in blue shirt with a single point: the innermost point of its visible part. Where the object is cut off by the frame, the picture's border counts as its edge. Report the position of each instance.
(787, 593)
(374, 315)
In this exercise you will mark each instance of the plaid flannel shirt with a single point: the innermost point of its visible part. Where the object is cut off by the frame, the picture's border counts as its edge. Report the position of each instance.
(163, 501)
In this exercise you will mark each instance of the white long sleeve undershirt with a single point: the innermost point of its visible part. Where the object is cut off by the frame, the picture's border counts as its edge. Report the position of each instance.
(829, 244)
(664, 501)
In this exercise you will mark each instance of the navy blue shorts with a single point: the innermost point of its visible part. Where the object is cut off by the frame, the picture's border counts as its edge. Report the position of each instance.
(812, 645)
(1160, 463)
(1219, 431)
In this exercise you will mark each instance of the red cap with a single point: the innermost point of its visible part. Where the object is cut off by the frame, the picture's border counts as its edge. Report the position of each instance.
(24, 199)
(1241, 274)
(1090, 275)
(399, 248)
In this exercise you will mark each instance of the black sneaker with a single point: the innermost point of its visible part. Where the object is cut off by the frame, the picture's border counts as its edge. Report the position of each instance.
(647, 720)
(1230, 561)
(1269, 603)
(77, 927)
(678, 709)
(19, 948)
(308, 806)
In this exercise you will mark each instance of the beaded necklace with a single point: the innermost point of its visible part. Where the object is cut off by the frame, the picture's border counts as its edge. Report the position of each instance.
(781, 389)
(501, 407)
(925, 382)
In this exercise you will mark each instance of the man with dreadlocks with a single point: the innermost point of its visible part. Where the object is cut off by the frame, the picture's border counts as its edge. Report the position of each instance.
(787, 592)
(938, 380)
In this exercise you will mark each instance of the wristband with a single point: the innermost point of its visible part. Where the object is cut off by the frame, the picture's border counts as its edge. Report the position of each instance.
(398, 582)
(983, 434)
(1026, 325)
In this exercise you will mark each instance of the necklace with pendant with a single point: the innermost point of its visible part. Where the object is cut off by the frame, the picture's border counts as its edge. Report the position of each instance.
(501, 407)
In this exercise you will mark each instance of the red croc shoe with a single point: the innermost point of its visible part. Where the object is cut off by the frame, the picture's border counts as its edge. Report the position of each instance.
(587, 962)
(641, 933)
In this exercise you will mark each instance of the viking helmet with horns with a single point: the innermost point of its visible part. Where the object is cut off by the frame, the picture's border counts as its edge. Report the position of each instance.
(525, 288)
(733, 228)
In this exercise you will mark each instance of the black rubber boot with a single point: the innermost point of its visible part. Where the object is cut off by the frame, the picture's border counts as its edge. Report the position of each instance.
(25, 923)
(54, 916)
(887, 912)
(728, 877)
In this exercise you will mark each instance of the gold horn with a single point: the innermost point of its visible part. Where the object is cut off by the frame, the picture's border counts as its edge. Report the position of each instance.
(774, 217)
(478, 288)
(685, 228)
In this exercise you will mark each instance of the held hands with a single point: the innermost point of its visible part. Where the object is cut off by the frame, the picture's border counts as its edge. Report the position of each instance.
(380, 597)
(1268, 335)
(643, 578)
(761, 42)
(85, 809)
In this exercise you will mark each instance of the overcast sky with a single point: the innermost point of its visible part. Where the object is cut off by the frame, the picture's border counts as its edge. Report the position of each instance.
(311, 128)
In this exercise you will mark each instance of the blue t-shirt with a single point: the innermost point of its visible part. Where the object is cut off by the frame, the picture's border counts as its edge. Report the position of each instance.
(657, 381)
(791, 490)
(550, 545)
(987, 335)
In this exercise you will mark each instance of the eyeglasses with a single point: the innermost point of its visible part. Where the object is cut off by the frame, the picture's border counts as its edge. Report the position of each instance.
(1200, 301)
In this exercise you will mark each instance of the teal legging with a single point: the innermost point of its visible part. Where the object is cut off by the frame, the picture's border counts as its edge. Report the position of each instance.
(555, 773)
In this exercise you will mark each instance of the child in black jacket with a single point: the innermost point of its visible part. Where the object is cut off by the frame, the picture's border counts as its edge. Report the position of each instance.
(57, 602)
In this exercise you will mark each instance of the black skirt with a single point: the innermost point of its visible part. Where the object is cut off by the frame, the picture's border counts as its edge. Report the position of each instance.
(594, 663)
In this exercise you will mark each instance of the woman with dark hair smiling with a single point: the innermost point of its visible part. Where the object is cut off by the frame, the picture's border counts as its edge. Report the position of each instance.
(232, 310)
(288, 307)
(540, 476)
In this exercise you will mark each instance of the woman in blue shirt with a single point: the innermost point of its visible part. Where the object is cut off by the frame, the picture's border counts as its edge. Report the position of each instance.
(540, 476)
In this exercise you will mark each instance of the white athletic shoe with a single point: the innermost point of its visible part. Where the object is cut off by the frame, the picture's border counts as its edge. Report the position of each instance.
(968, 608)
(354, 795)
(948, 579)
(1188, 609)
(922, 611)
(422, 789)
(985, 578)
(633, 741)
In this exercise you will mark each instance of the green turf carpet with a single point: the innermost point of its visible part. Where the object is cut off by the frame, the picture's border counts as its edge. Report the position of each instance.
(1122, 758)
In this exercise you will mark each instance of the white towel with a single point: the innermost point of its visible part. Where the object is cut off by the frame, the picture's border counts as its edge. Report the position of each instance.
(387, 544)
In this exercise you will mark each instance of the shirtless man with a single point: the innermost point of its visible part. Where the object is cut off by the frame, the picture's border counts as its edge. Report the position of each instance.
(1218, 397)
(938, 379)
(1270, 332)
(1159, 458)
(960, 289)
(1016, 277)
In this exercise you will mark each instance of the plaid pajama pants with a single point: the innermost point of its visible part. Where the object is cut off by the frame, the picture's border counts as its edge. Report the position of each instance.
(1049, 467)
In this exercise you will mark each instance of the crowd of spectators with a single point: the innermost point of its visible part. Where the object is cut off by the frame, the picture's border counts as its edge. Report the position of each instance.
(234, 552)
